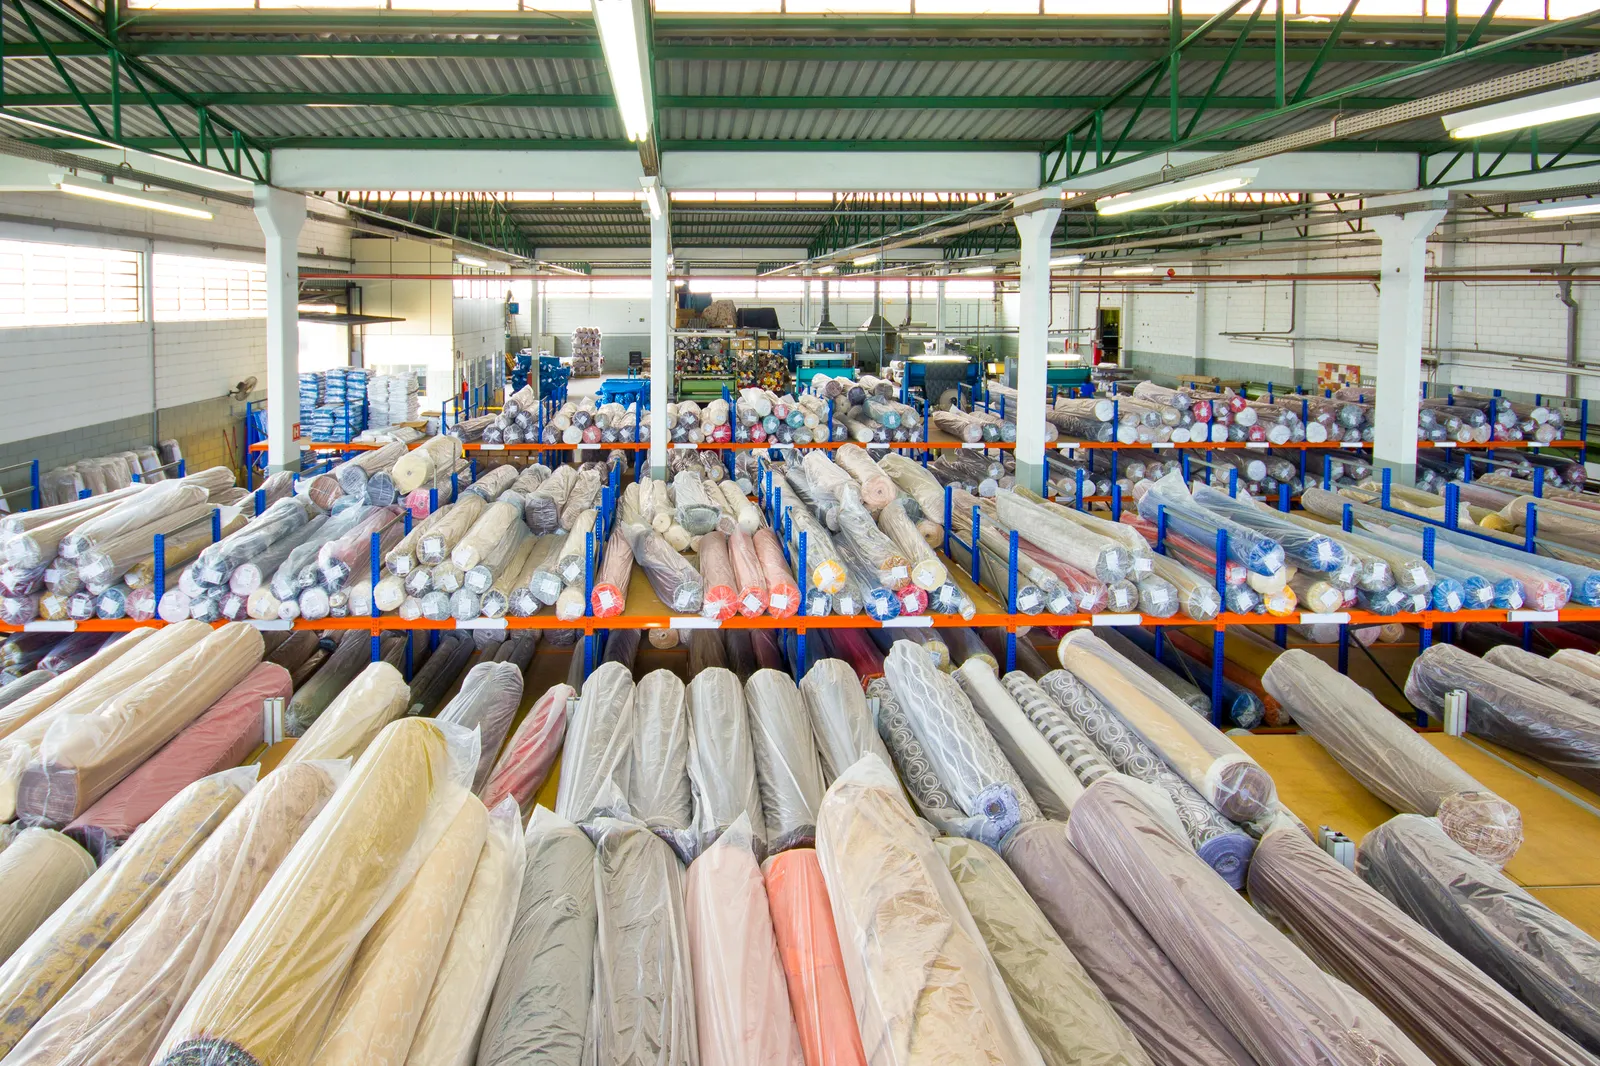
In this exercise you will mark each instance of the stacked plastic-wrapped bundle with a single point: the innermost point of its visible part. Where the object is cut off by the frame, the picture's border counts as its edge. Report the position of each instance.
(658, 789)
(490, 694)
(841, 722)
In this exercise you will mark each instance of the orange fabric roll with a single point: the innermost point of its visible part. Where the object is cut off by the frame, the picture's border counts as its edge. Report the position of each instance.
(748, 575)
(610, 593)
(717, 570)
(783, 593)
(808, 945)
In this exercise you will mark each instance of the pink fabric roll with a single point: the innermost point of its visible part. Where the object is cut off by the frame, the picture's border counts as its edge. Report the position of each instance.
(222, 737)
(529, 755)
(741, 999)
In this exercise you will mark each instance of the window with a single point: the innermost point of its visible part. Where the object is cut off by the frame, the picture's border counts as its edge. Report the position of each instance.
(64, 285)
(193, 288)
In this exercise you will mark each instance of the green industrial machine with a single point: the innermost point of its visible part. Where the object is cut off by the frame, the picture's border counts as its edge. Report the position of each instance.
(702, 388)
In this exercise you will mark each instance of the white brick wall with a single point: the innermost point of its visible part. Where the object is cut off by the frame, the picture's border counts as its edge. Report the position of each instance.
(60, 378)
(204, 360)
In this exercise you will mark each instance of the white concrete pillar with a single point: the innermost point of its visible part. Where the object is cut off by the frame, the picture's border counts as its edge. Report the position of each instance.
(1402, 309)
(281, 216)
(1075, 337)
(661, 301)
(1033, 326)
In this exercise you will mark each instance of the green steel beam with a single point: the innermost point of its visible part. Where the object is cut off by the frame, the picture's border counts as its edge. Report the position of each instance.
(1226, 65)
(1322, 57)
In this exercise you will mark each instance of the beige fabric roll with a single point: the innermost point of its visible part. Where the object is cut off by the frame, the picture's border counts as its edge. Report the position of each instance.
(81, 758)
(23, 710)
(927, 571)
(422, 463)
(485, 534)
(434, 546)
(402, 558)
(267, 998)
(38, 871)
(1583, 661)
(448, 1033)
(120, 1010)
(876, 488)
(377, 696)
(382, 1001)
(150, 654)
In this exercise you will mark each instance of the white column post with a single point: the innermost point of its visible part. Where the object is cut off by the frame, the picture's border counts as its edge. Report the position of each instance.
(281, 216)
(1035, 229)
(660, 340)
(1075, 314)
(1402, 304)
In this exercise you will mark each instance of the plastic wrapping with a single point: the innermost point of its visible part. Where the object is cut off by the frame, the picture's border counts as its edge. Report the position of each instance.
(1390, 759)
(1312, 550)
(426, 464)
(142, 509)
(659, 794)
(716, 570)
(27, 706)
(282, 521)
(841, 722)
(531, 752)
(599, 745)
(750, 582)
(83, 928)
(695, 510)
(923, 985)
(540, 1009)
(1212, 764)
(1364, 939)
(1218, 842)
(609, 596)
(860, 536)
(808, 946)
(1547, 672)
(1535, 954)
(964, 757)
(741, 999)
(430, 684)
(1073, 544)
(675, 580)
(82, 756)
(722, 757)
(1274, 999)
(222, 737)
(311, 699)
(496, 522)
(437, 543)
(488, 701)
(643, 1008)
(270, 993)
(39, 870)
(127, 1001)
(1256, 552)
(822, 555)
(788, 769)
(927, 571)
(783, 594)
(1045, 774)
(355, 718)
(1066, 1014)
(1507, 709)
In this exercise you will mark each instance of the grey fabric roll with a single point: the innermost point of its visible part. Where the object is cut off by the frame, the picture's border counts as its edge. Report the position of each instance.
(788, 769)
(722, 758)
(927, 791)
(658, 780)
(598, 751)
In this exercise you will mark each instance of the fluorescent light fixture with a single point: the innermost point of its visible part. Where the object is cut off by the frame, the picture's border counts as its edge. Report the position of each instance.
(621, 25)
(1564, 209)
(866, 260)
(116, 194)
(828, 269)
(1128, 271)
(88, 138)
(979, 270)
(1066, 260)
(1557, 105)
(1175, 192)
(655, 199)
(471, 261)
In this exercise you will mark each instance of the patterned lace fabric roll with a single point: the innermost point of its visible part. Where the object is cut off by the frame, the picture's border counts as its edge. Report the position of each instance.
(909, 758)
(1075, 749)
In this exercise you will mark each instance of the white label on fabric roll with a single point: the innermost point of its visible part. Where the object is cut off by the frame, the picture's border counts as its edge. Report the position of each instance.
(909, 621)
(1338, 618)
(973, 445)
(1533, 616)
(753, 604)
(685, 446)
(1444, 444)
(1161, 445)
(898, 572)
(692, 622)
(52, 575)
(1257, 445)
(1027, 601)
(780, 602)
(66, 626)
(1115, 620)
(270, 624)
(481, 623)
(606, 598)
(491, 447)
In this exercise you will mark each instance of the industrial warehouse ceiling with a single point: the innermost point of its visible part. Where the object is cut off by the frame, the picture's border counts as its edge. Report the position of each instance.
(1079, 83)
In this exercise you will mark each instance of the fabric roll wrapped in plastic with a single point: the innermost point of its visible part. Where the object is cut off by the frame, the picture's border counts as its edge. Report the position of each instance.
(927, 571)
(923, 985)
(540, 1009)
(1508, 709)
(1219, 843)
(598, 752)
(822, 555)
(841, 722)
(1274, 999)
(788, 769)
(105, 906)
(722, 757)
(1067, 1016)
(644, 1006)
(860, 538)
(750, 580)
(675, 580)
(927, 791)
(1365, 940)
(430, 684)
(742, 1002)
(1073, 544)
(1214, 766)
(1256, 552)
(1086, 761)
(283, 521)
(377, 697)
(455, 521)
(448, 1032)
(425, 464)
(531, 752)
(296, 945)
(1535, 954)
(256, 571)
(124, 1004)
(609, 596)
(1312, 550)
(376, 1016)
(813, 966)
(964, 757)
(716, 569)
(488, 701)
(1547, 672)
(1171, 1022)
(783, 593)
(1043, 772)
(1389, 759)
(222, 737)
(29, 705)
(39, 870)
(659, 793)
(81, 757)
